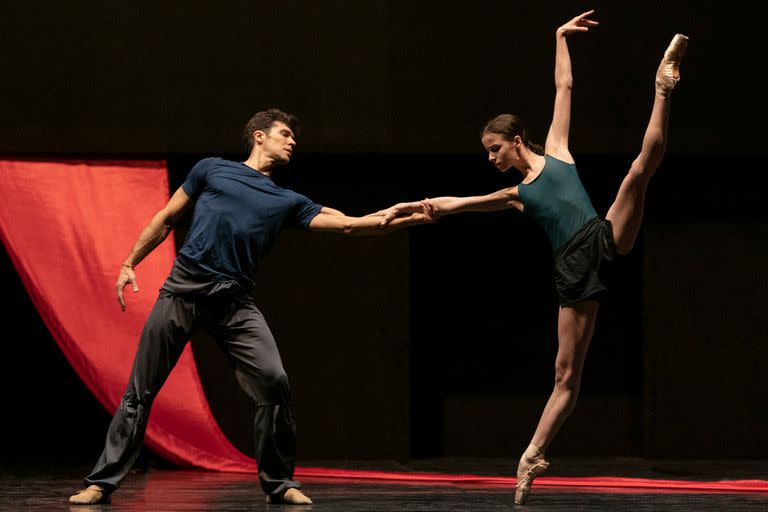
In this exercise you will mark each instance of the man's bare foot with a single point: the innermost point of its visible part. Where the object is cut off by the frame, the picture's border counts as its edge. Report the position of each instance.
(91, 495)
(292, 496)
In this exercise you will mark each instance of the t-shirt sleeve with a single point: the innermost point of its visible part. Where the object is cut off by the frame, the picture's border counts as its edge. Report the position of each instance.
(305, 211)
(195, 182)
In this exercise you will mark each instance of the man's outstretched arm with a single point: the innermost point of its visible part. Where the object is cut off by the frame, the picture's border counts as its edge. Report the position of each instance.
(150, 237)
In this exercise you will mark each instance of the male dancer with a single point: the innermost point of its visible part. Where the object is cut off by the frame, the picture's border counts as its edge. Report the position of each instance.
(238, 213)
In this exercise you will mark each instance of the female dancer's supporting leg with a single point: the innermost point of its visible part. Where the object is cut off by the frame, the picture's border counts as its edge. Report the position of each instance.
(575, 325)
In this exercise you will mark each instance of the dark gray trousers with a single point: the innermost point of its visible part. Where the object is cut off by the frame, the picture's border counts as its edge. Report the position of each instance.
(240, 329)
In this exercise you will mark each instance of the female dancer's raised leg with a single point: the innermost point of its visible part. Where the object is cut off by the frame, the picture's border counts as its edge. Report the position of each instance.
(626, 213)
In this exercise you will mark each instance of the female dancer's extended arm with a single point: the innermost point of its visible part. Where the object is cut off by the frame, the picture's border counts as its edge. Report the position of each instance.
(557, 137)
(439, 206)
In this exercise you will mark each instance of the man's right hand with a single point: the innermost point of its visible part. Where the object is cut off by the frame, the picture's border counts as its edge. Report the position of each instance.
(126, 276)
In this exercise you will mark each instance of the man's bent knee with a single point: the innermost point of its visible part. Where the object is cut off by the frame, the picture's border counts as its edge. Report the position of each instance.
(268, 387)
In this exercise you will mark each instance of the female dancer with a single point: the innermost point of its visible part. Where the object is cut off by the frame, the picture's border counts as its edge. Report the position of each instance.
(583, 243)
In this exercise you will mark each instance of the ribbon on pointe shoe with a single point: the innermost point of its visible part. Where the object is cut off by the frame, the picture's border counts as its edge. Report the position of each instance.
(532, 464)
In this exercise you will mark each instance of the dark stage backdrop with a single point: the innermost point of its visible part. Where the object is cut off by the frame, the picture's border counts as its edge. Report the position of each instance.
(388, 76)
(704, 311)
(392, 95)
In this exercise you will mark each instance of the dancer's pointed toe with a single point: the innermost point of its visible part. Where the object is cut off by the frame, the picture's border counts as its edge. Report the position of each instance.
(531, 465)
(668, 73)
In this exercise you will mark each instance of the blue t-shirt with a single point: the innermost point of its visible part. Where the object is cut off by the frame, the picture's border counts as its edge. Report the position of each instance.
(238, 214)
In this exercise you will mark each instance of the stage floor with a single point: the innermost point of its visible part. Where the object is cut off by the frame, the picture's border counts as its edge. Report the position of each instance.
(163, 489)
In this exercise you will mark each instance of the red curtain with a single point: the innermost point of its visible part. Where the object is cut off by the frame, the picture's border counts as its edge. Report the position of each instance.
(67, 227)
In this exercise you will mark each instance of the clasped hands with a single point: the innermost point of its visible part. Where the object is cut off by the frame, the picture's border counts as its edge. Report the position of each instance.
(419, 212)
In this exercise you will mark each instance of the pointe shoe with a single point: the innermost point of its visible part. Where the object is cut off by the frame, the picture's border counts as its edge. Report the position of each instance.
(532, 464)
(668, 73)
(91, 495)
(291, 496)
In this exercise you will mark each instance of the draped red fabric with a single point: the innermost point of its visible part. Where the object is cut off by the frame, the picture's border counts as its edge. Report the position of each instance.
(67, 227)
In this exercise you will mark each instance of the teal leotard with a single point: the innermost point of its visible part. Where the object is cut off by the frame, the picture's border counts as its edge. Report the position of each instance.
(556, 199)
